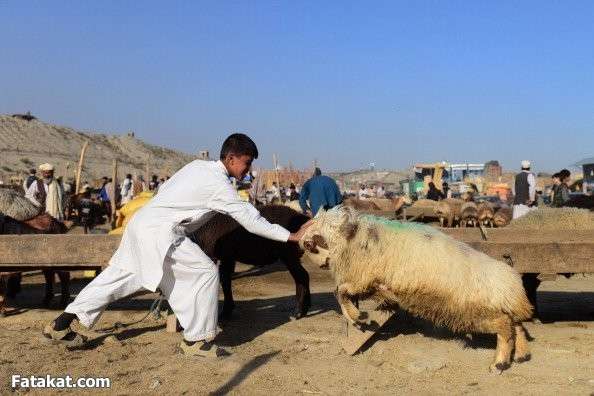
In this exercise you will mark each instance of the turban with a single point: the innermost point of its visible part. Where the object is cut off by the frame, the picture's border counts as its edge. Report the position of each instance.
(46, 167)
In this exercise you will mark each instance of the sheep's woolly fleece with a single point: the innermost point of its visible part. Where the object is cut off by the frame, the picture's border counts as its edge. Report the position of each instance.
(432, 275)
(15, 205)
(555, 219)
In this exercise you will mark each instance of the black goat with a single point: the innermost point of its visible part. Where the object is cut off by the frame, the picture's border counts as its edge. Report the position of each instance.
(224, 239)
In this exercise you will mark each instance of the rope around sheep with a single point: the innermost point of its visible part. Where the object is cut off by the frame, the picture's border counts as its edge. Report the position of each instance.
(155, 309)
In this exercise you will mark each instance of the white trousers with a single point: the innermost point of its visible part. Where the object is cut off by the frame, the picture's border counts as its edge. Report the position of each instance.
(520, 210)
(190, 284)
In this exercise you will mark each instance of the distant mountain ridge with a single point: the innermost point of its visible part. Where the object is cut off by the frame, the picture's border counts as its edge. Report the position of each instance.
(25, 144)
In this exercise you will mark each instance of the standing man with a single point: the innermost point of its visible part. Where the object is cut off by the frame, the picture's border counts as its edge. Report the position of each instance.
(156, 253)
(380, 192)
(524, 191)
(561, 194)
(321, 191)
(126, 190)
(47, 193)
(30, 179)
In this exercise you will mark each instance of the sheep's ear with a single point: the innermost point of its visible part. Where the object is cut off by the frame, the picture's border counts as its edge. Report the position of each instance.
(349, 230)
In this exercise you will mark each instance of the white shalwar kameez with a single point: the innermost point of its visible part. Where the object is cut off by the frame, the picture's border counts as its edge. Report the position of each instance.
(155, 253)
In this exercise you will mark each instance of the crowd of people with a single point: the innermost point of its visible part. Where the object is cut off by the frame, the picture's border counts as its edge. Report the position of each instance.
(58, 197)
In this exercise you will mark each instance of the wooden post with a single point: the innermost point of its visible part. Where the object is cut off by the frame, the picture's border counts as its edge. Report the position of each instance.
(80, 165)
(275, 163)
(114, 183)
(171, 326)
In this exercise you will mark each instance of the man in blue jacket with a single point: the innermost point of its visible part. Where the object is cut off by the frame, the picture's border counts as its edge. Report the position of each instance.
(321, 191)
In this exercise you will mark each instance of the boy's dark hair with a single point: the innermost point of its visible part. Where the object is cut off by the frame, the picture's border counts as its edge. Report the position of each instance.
(564, 173)
(239, 144)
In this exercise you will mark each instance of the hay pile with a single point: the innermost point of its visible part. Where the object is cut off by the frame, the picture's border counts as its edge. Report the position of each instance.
(15, 205)
(555, 219)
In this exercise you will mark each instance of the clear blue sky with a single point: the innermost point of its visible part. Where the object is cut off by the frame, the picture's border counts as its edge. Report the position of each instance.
(347, 83)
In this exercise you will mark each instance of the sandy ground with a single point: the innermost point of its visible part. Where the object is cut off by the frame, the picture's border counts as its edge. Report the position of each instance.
(274, 355)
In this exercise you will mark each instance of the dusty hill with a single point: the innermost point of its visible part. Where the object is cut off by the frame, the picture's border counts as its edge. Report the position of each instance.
(27, 143)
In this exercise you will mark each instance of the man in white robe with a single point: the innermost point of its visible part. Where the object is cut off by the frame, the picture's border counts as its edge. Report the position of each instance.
(47, 193)
(524, 191)
(155, 253)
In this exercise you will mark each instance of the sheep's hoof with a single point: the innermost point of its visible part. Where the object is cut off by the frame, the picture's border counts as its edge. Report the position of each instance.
(498, 368)
(523, 359)
(298, 315)
(363, 317)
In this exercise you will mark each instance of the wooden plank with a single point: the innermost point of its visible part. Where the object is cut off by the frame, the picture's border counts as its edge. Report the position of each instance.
(542, 252)
(357, 337)
(544, 258)
(57, 250)
(515, 236)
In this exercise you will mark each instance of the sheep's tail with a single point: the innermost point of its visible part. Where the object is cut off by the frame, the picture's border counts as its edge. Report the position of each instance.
(521, 310)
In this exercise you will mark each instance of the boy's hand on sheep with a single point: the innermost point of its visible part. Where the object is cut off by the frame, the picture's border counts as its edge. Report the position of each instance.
(296, 237)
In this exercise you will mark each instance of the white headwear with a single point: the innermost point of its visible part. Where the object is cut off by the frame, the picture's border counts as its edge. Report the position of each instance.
(46, 167)
(525, 164)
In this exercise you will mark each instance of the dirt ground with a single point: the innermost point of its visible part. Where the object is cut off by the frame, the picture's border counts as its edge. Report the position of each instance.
(272, 354)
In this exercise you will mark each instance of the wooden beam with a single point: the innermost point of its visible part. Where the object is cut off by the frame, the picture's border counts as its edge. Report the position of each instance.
(539, 252)
(39, 251)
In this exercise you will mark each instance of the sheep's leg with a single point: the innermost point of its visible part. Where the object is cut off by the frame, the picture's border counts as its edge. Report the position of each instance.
(390, 300)
(505, 343)
(226, 270)
(49, 287)
(450, 221)
(522, 351)
(65, 287)
(344, 294)
(442, 221)
(301, 278)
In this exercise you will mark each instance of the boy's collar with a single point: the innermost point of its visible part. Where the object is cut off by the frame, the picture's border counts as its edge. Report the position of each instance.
(222, 166)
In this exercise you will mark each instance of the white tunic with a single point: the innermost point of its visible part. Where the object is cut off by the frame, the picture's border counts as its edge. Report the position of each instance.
(193, 194)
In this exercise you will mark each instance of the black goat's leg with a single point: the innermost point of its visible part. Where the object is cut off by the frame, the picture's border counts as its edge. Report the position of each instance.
(49, 287)
(65, 287)
(226, 270)
(13, 284)
(301, 278)
(531, 283)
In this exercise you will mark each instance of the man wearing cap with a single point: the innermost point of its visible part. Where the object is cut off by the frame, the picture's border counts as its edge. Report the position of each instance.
(47, 193)
(524, 191)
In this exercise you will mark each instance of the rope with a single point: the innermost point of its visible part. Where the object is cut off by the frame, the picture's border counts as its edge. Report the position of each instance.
(155, 309)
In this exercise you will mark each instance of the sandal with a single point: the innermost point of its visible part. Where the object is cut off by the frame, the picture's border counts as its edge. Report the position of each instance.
(202, 349)
(67, 336)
